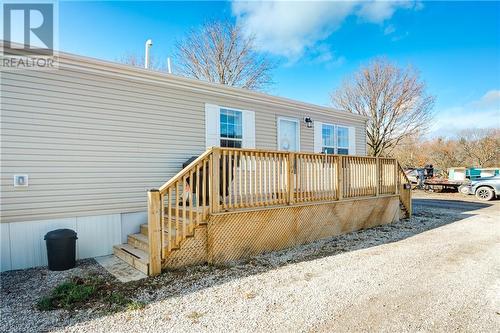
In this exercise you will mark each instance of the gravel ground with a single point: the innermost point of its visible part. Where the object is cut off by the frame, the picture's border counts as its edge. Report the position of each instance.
(453, 196)
(438, 272)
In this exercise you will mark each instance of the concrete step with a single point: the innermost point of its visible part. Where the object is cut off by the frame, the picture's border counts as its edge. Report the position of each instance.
(120, 269)
(135, 257)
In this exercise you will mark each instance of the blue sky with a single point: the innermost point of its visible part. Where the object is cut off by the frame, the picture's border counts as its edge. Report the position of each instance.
(455, 45)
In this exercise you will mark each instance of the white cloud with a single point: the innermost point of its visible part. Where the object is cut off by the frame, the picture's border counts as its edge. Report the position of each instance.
(482, 113)
(323, 54)
(290, 28)
(379, 11)
(400, 36)
(490, 100)
(389, 29)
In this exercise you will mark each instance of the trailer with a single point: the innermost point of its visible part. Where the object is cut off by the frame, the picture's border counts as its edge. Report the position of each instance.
(443, 184)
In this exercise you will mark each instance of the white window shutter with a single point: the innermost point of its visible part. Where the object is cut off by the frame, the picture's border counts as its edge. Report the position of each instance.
(212, 125)
(248, 129)
(318, 136)
(352, 141)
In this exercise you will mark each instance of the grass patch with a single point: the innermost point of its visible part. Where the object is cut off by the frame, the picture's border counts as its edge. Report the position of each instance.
(69, 293)
(87, 292)
(135, 305)
(117, 298)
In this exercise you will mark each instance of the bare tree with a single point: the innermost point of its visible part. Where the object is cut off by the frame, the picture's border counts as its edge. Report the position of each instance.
(481, 146)
(410, 153)
(394, 99)
(416, 151)
(136, 61)
(220, 52)
(443, 154)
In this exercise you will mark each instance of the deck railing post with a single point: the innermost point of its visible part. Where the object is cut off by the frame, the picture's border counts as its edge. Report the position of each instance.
(154, 232)
(396, 176)
(215, 180)
(378, 178)
(340, 177)
(291, 178)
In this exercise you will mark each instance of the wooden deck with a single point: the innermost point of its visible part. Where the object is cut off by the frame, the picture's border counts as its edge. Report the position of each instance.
(232, 203)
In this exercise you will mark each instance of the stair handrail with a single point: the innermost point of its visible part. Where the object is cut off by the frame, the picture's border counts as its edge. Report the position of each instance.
(158, 232)
(405, 193)
(163, 189)
(404, 173)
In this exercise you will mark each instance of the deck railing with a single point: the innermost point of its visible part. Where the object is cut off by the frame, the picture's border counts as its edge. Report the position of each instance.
(314, 177)
(228, 179)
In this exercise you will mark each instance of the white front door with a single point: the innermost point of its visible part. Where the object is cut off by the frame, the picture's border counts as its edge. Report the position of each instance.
(288, 134)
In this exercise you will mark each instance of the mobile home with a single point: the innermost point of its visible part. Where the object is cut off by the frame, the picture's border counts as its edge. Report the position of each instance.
(82, 144)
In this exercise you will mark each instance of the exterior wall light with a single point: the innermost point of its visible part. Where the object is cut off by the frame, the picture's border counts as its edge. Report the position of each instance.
(308, 121)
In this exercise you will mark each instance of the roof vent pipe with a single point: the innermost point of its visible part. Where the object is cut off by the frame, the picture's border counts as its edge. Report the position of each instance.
(169, 68)
(148, 45)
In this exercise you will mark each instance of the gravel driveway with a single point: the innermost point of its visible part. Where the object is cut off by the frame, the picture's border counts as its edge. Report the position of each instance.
(438, 272)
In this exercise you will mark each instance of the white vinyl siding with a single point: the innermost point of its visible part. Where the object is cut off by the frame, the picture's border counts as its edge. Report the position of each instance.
(23, 246)
(93, 136)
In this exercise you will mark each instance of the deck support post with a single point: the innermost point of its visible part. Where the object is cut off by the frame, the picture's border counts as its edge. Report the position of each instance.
(378, 178)
(215, 180)
(291, 178)
(340, 177)
(154, 232)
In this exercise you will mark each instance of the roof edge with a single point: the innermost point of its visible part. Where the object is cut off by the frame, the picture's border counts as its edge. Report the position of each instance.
(209, 86)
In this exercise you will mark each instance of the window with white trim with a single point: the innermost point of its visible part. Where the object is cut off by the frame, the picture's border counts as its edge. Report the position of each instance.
(328, 139)
(342, 140)
(334, 139)
(231, 128)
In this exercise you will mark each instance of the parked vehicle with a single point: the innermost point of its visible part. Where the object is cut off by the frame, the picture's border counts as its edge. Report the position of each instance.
(463, 173)
(412, 175)
(483, 188)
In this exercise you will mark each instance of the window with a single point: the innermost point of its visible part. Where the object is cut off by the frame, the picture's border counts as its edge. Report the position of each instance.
(342, 140)
(334, 139)
(328, 139)
(231, 128)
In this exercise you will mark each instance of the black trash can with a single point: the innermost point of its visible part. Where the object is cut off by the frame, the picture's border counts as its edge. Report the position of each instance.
(61, 249)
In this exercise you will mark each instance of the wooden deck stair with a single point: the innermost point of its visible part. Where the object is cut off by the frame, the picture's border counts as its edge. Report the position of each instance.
(136, 251)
